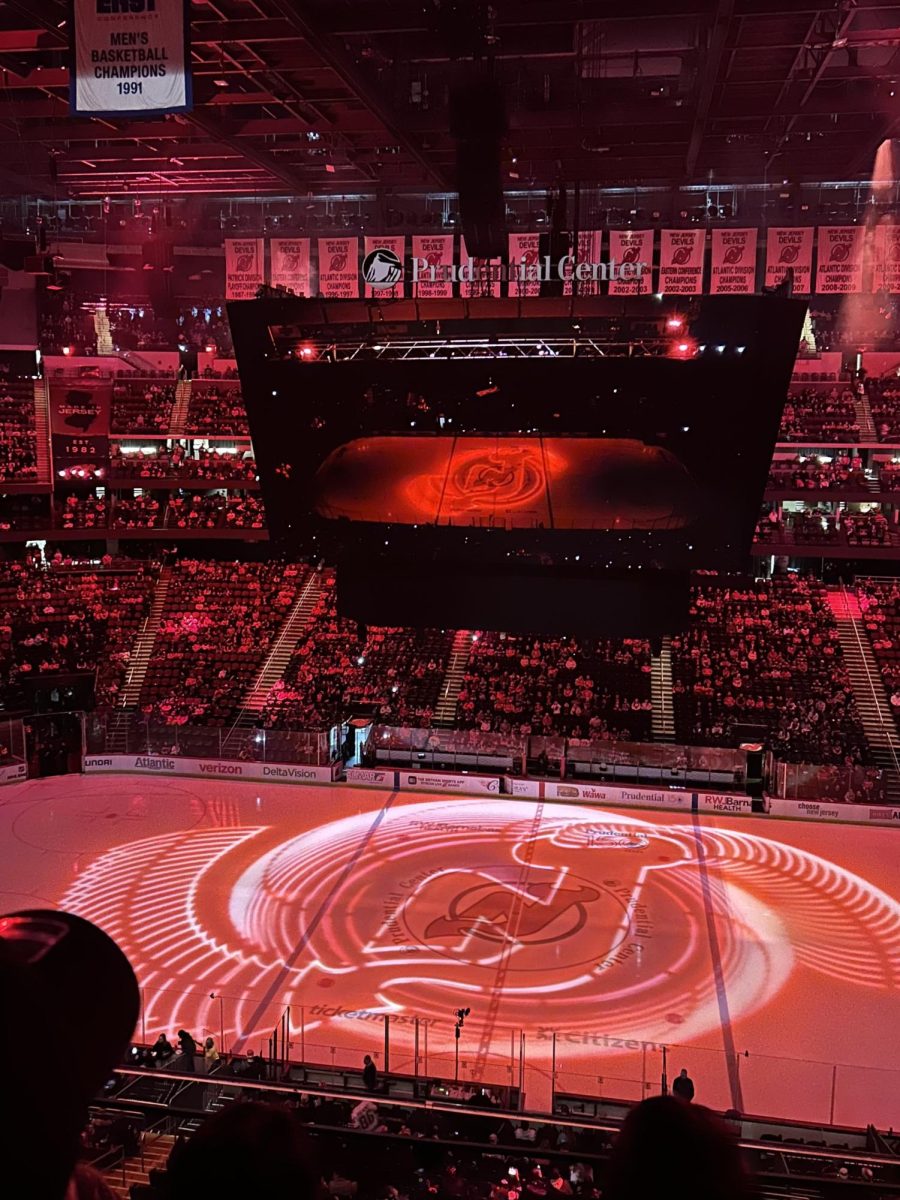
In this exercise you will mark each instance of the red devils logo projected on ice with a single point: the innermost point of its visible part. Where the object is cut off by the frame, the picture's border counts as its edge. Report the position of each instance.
(511, 476)
(487, 912)
(681, 255)
(840, 252)
(338, 263)
(789, 254)
(734, 254)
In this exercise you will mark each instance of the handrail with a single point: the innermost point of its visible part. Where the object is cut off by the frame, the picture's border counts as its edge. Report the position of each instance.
(890, 731)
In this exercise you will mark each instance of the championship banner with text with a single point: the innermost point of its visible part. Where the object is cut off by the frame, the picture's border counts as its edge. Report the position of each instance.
(437, 252)
(886, 273)
(632, 246)
(290, 264)
(383, 258)
(840, 259)
(339, 267)
(681, 262)
(524, 254)
(790, 248)
(733, 262)
(590, 244)
(130, 57)
(79, 424)
(244, 267)
(478, 277)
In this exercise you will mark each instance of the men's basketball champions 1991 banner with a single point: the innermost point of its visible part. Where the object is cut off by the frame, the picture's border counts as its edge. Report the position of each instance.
(130, 56)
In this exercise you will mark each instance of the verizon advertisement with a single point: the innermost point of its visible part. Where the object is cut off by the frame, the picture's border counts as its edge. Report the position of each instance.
(681, 262)
(245, 260)
(130, 57)
(790, 248)
(840, 260)
(733, 262)
(632, 246)
(290, 264)
(434, 256)
(339, 268)
(208, 768)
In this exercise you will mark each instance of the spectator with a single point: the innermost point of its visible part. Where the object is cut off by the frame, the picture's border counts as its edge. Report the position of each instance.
(683, 1085)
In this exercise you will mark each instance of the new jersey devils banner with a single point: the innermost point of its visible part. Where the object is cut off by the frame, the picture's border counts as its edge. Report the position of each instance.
(477, 276)
(339, 267)
(130, 56)
(79, 424)
(244, 267)
(590, 242)
(290, 264)
(840, 260)
(681, 262)
(790, 248)
(733, 261)
(886, 272)
(382, 267)
(432, 253)
(524, 253)
(631, 246)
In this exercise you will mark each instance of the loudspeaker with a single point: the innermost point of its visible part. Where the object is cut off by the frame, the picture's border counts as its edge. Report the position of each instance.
(478, 122)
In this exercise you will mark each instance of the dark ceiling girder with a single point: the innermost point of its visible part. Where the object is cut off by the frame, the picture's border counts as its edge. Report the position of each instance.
(334, 54)
(709, 67)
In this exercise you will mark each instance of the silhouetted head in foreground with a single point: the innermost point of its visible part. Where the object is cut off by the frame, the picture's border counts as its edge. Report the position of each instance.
(675, 1151)
(246, 1150)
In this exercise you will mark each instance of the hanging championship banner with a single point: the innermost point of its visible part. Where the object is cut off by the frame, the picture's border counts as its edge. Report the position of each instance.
(383, 267)
(431, 257)
(79, 424)
(633, 247)
(339, 267)
(244, 263)
(886, 272)
(790, 248)
(681, 262)
(478, 277)
(590, 242)
(290, 264)
(840, 259)
(130, 57)
(524, 262)
(733, 262)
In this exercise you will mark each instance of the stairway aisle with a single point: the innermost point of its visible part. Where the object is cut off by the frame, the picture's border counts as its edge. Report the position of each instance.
(180, 408)
(868, 688)
(142, 651)
(864, 418)
(661, 693)
(445, 710)
(42, 431)
(103, 331)
(275, 664)
(155, 1150)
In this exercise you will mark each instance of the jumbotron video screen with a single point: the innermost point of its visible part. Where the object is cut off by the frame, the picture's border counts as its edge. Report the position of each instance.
(457, 463)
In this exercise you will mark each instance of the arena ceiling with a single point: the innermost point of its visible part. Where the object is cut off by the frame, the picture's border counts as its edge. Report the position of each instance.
(351, 96)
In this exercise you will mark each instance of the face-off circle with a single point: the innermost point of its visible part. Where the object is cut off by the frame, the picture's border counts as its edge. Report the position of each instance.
(558, 917)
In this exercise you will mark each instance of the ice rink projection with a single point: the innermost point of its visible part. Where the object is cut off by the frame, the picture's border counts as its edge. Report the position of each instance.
(764, 954)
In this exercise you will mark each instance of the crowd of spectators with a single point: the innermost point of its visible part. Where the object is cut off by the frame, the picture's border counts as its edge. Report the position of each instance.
(337, 667)
(820, 527)
(216, 511)
(766, 653)
(68, 619)
(842, 471)
(816, 415)
(142, 511)
(18, 436)
(216, 629)
(581, 688)
(205, 325)
(82, 511)
(142, 405)
(216, 410)
(178, 462)
(879, 603)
